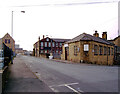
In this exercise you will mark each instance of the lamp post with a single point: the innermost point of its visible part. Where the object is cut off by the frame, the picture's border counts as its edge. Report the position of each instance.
(12, 34)
(12, 22)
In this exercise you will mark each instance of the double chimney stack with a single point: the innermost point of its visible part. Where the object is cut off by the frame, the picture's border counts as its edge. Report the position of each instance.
(104, 35)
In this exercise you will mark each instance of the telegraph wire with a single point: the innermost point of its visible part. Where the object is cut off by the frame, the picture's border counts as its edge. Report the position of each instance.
(66, 4)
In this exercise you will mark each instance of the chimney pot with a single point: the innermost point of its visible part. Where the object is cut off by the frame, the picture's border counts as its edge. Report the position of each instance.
(96, 34)
(43, 36)
(39, 38)
(104, 35)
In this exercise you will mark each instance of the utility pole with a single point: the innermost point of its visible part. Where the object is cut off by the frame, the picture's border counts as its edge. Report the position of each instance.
(12, 34)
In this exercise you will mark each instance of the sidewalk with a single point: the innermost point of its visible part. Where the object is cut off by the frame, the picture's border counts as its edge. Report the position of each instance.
(21, 79)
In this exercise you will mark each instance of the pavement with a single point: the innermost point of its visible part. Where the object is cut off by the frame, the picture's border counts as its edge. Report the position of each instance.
(22, 79)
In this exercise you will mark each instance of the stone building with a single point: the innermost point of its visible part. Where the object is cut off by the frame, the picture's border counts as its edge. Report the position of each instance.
(9, 42)
(48, 46)
(116, 41)
(89, 49)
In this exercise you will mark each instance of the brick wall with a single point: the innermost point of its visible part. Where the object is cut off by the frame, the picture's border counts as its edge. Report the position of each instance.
(89, 56)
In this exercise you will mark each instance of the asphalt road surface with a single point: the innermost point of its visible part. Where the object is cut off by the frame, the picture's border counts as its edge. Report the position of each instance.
(64, 77)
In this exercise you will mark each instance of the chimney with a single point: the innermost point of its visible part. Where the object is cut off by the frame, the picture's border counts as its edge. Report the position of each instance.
(39, 38)
(104, 35)
(96, 34)
(43, 36)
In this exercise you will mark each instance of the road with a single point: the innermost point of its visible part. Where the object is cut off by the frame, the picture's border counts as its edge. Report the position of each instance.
(64, 77)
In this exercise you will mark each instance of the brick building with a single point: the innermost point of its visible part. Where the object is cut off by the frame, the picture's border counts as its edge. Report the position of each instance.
(116, 41)
(9, 42)
(46, 46)
(89, 49)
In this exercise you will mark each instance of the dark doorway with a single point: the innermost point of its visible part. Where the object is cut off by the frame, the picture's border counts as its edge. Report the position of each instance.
(65, 53)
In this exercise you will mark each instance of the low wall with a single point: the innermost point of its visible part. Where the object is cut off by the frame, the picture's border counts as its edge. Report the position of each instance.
(4, 74)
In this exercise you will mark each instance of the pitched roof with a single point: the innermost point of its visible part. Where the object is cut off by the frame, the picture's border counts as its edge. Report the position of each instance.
(60, 40)
(9, 36)
(88, 37)
(116, 37)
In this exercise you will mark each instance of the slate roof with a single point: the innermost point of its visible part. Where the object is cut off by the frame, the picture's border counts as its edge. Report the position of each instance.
(60, 40)
(88, 37)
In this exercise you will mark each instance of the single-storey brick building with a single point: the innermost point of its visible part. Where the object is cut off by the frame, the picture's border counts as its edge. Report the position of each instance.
(90, 49)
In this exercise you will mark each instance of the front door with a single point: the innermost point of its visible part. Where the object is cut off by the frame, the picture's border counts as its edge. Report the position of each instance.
(65, 53)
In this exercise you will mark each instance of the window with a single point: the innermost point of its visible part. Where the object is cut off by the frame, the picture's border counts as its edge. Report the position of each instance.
(56, 51)
(86, 47)
(111, 51)
(49, 44)
(47, 39)
(41, 51)
(45, 44)
(105, 50)
(75, 50)
(100, 50)
(95, 50)
(53, 44)
(60, 44)
(41, 43)
(45, 51)
(5, 40)
(56, 44)
(108, 50)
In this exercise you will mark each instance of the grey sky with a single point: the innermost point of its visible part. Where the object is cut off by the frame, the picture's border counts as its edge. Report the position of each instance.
(57, 18)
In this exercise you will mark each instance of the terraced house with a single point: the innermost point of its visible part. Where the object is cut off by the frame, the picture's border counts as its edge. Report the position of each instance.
(48, 46)
(90, 49)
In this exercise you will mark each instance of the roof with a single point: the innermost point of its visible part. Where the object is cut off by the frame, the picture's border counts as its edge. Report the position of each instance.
(60, 40)
(88, 37)
(116, 37)
(9, 36)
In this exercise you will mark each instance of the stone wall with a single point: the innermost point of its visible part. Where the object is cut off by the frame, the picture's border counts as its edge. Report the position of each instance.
(88, 57)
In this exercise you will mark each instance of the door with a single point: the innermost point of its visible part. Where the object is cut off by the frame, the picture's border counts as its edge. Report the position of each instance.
(65, 53)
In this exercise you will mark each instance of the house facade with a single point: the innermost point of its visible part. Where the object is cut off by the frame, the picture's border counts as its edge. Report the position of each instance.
(89, 49)
(116, 41)
(48, 46)
(9, 42)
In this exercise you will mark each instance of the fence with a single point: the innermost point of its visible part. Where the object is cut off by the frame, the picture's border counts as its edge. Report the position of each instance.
(6, 56)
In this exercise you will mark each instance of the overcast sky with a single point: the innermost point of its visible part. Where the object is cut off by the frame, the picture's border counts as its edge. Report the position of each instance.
(57, 19)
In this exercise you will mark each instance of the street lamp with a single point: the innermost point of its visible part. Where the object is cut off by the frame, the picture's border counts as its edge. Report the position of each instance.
(12, 35)
(12, 23)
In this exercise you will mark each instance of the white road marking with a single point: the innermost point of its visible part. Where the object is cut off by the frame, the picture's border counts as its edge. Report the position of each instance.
(63, 84)
(54, 89)
(72, 89)
(67, 85)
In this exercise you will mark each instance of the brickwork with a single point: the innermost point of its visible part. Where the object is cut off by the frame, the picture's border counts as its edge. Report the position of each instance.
(9, 41)
(89, 56)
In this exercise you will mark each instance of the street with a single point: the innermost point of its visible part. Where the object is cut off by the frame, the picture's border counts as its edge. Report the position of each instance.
(63, 77)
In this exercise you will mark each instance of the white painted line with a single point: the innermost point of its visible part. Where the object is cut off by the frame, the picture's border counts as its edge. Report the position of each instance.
(63, 84)
(54, 90)
(68, 84)
(72, 89)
